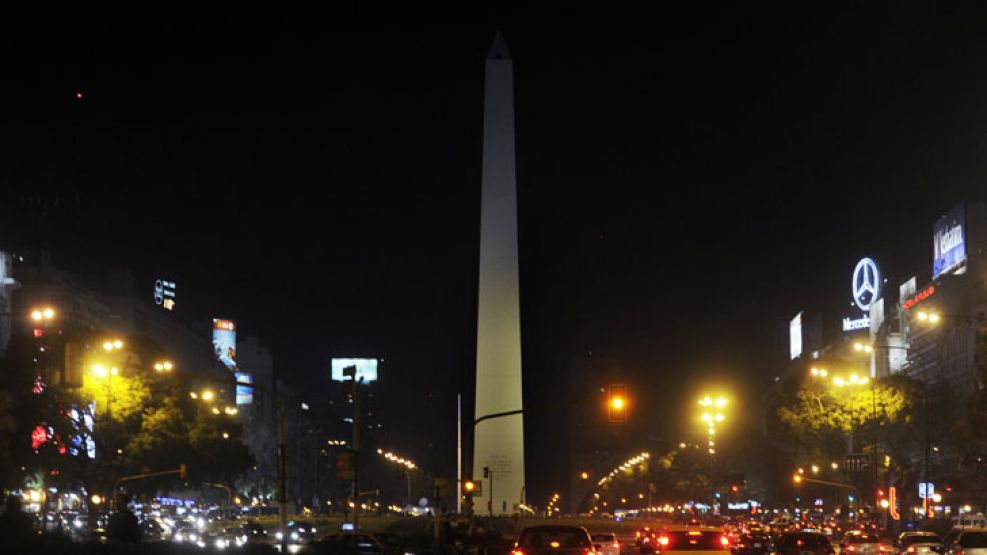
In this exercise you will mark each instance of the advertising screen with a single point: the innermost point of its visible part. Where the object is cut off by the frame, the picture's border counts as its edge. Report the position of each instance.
(365, 368)
(795, 337)
(224, 342)
(244, 393)
(948, 242)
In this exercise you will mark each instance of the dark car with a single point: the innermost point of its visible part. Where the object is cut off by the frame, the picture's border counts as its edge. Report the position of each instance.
(917, 543)
(803, 543)
(299, 533)
(254, 531)
(753, 543)
(970, 542)
(554, 540)
(365, 544)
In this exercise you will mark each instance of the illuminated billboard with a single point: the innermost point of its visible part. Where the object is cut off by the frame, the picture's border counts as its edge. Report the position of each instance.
(224, 342)
(795, 337)
(244, 393)
(366, 368)
(948, 243)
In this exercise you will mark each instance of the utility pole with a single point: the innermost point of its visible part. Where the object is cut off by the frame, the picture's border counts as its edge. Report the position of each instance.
(459, 453)
(487, 473)
(355, 393)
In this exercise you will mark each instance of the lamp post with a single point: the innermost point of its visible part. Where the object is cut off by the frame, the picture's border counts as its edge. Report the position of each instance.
(712, 415)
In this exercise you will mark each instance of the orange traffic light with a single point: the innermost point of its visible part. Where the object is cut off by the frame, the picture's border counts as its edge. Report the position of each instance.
(617, 403)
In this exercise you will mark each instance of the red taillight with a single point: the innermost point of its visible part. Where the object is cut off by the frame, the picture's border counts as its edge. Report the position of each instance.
(616, 545)
(725, 541)
(911, 549)
(517, 552)
(663, 540)
(959, 551)
(637, 534)
(851, 549)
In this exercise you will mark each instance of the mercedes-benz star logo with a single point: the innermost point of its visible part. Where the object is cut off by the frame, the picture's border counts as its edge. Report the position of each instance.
(866, 283)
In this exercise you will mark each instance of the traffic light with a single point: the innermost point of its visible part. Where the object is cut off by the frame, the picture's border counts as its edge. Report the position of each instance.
(617, 403)
(344, 465)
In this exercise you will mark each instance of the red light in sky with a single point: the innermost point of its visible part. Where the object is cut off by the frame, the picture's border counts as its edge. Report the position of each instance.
(38, 332)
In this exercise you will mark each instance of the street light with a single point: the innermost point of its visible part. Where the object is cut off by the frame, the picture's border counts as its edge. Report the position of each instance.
(860, 347)
(163, 366)
(112, 345)
(818, 372)
(43, 314)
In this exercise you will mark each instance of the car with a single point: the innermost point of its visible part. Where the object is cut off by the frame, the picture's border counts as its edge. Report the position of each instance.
(606, 544)
(554, 540)
(862, 543)
(917, 543)
(969, 542)
(366, 544)
(254, 531)
(153, 531)
(753, 543)
(186, 534)
(803, 543)
(694, 540)
(299, 533)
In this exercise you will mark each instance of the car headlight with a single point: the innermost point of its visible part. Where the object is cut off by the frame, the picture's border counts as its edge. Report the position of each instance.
(294, 535)
(220, 543)
(313, 530)
(279, 535)
(179, 537)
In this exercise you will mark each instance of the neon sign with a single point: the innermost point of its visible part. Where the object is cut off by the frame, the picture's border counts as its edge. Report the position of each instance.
(919, 297)
(866, 284)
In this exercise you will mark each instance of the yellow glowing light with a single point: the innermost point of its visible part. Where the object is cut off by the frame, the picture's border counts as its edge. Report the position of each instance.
(215, 410)
(937, 497)
(617, 402)
(208, 395)
(36, 315)
(100, 370)
(885, 504)
(193, 395)
(719, 418)
(839, 382)
(815, 469)
(707, 417)
(96, 499)
(584, 475)
(226, 435)
(721, 402)
(834, 466)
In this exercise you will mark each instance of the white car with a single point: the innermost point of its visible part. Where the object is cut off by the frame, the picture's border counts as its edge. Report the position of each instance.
(606, 544)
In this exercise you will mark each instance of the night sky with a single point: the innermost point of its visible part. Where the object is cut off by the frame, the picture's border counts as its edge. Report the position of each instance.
(687, 179)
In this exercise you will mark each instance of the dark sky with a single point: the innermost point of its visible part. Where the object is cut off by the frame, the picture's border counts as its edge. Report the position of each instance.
(688, 177)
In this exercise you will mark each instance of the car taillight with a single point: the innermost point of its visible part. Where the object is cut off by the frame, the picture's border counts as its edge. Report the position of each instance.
(725, 541)
(851, 549)
(959, 551)
(616, 545)
(517, 552)
(663, 540)
(637, 534)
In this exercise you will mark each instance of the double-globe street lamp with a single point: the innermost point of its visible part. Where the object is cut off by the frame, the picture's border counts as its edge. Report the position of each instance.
(712, 408)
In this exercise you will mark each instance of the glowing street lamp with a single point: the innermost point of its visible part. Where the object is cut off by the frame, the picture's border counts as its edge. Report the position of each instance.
(860, 347)
(163, 366)
(43, 314)
(112, 345)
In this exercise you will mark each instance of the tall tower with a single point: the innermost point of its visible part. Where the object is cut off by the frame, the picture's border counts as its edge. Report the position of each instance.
(498, 441)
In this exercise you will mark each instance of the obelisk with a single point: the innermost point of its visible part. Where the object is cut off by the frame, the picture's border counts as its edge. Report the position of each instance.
(498, 440)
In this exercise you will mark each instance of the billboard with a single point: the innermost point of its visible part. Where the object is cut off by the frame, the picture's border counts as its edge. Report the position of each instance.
(244, 393)
(366, 368)
(795, 337)
(948, 242)
(224, 342)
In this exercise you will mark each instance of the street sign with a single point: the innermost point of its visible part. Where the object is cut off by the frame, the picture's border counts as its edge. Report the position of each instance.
(926, 490)
(856, 462)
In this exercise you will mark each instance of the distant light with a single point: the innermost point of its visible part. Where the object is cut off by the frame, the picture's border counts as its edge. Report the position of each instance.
(78, 95)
